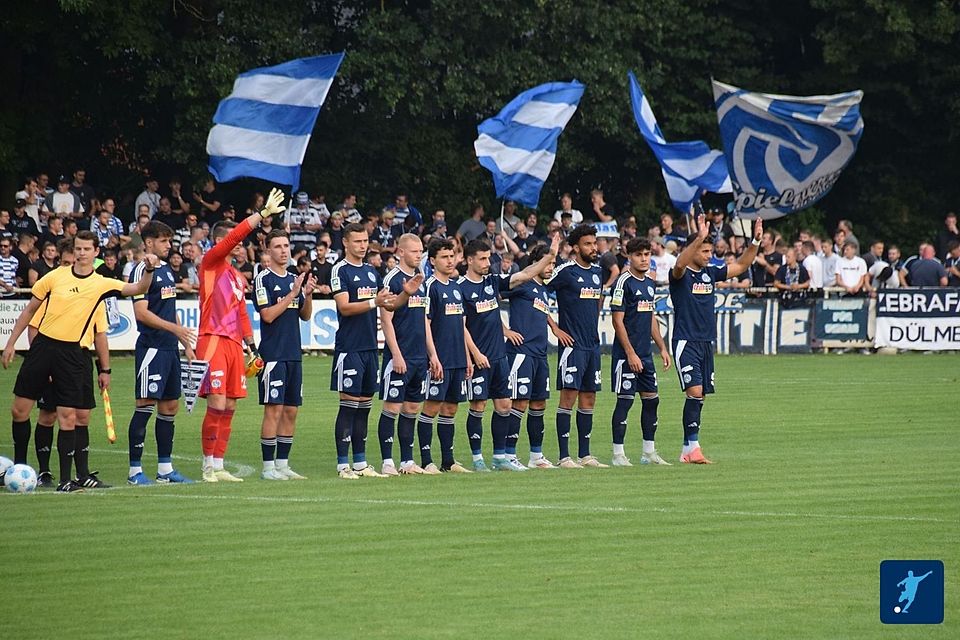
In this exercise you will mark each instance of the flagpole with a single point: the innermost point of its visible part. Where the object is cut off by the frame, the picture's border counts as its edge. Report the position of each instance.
(502, 202)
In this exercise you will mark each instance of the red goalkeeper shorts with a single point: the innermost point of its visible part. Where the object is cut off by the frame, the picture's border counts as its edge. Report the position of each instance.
(227, 374)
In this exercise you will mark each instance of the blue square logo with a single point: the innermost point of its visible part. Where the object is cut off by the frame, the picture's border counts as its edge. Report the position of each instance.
(911, 592)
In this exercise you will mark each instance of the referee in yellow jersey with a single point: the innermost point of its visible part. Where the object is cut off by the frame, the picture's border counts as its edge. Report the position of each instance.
(56, 356)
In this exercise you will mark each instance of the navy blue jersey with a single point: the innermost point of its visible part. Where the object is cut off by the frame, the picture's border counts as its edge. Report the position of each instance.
(280, 339)
(635, 298)
(529, 308)
(693, 302)
(162, 302)
(445, 310)
(578, 300)
(360, 283)
(483, 313)
(408, 321)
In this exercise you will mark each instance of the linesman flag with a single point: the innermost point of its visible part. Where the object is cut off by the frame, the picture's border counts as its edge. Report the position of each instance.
(688, 168)
(261, 130)
(785, 152)
(519, 144)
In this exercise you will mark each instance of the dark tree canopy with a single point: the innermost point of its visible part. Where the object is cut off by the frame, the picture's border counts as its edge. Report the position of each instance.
(125, 88)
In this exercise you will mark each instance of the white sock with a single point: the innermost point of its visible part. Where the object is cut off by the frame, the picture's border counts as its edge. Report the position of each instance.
(282, 464)
(617, 449)
(477, 456)
(359, 466)
(499, 456)
(406, 464)
(163, 468)
(342, 467)
(388, 462)
(268, 465)
(536, 455)
(648, 446)
(694, 444)
(686, 449)
(134, 471)
(208, 461)
(218, 464)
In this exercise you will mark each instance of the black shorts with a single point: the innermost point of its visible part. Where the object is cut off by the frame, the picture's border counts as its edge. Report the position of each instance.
(59, 373)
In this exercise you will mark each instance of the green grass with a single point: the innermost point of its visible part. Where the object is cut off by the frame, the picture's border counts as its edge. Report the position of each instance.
(826, 465)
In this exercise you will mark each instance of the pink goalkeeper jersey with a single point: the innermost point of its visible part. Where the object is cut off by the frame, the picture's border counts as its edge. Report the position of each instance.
(223, 306)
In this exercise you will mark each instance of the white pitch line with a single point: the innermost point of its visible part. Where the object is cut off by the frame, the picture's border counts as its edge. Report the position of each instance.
(242, 470)
(512, 507)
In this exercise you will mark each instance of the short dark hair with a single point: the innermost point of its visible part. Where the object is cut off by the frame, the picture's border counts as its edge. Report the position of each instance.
(222, 228)
(953, 244)
(156, 230)
(65, 245)
(582, 231)
(354, 227)
(636, 245)
(808, 245)
(693, 236)
(276, 233)
(437, 245)
(536, 254)
(475, 246)
(91, 236)
(848, 243)
(46, 244)
(110, 253)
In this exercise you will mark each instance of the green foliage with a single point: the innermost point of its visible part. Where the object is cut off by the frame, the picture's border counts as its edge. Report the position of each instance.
(128, 88)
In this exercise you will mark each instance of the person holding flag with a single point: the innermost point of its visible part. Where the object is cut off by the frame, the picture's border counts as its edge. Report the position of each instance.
(224, 332)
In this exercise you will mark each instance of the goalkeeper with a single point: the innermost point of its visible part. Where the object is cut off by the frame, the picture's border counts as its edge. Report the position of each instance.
(224, 333)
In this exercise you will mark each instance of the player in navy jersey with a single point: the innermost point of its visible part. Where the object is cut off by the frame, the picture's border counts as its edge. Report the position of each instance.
(577, 285)
(529, 379)
(485, 340)
(157, 360)
(406, 365)
(282, 300)
(692, 281)
(356, 290)
(446, 342)
(635, 323)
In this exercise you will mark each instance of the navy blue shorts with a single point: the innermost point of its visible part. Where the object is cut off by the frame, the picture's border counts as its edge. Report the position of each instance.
(493, 382)
(694, 362)
(529, 377)
(281, 383)
(410, 386)
(579, 369)
(158, 374)
(626, 382)
(453, 387)
(355, 373)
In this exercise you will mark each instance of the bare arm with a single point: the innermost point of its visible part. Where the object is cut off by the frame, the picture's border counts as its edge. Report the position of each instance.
(685, 259)
(143, 314)
(347, 308)
(537, 267)
(658, 340)
(25, 316)
(102, 348)
(744, 261)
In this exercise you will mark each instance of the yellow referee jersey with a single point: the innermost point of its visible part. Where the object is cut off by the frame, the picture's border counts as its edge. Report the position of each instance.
(100, 323)
(70, 303)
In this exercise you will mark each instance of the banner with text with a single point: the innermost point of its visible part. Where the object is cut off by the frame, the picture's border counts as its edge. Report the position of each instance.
(919, 319)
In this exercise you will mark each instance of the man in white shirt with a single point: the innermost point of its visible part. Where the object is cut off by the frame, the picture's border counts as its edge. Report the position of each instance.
(566, 206)
(149, 196)
(852, 271)
(663, 259)
(812, 264)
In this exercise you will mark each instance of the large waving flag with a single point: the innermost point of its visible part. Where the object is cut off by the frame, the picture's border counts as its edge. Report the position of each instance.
(519, 144)
(785, 152)
(261, 130)
(688, 168)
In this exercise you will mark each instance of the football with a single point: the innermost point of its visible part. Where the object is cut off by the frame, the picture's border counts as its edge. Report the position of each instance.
(20, 478)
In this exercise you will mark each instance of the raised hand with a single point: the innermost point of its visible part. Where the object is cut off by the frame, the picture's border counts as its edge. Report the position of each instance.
(272, 206)
(758, 229)
(413, 284)
(702, 228)
(298, 284)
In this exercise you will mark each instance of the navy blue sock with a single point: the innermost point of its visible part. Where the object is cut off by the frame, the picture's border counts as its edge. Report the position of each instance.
(405, 435)
(137, 433)
(475, 431)
(343, 429)
(648, 417)
(21, 441)
(268, 449)
(43, 441)
(563, 431)
(691, 419)
(284, 444)
(500, 425)
(165, 429)
(385, 433)
(513, 426)
(445, 433)
(584, 429)
(620, 414)
(358, 437)
(535, 429)
(425, 436)
(513, 433)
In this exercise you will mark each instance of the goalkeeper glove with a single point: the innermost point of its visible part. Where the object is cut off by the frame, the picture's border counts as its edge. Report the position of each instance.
(273, 206)
(254, 363)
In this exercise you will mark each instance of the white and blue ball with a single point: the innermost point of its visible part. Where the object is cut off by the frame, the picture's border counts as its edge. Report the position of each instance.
(5, 463)
(20, 478)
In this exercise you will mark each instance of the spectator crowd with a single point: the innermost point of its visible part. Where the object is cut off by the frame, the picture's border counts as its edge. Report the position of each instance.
(798, 267)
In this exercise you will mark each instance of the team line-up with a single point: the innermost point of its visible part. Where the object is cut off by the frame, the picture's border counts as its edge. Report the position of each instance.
(445, 344)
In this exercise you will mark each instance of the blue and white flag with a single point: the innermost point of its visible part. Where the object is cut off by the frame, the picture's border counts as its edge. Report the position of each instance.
(785, 152)
(261, 130)
(688, 168)
(519, 144)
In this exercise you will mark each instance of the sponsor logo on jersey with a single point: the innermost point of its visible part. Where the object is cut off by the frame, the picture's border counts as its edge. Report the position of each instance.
(589, 293)
(168, 292)
(487, 305)
(540, 305)
(418, 302)
(453, 309)
(646, 305)
(702, 289)
(365, 293)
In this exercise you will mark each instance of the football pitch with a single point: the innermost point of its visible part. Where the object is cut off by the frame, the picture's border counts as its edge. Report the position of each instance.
(825, 465)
